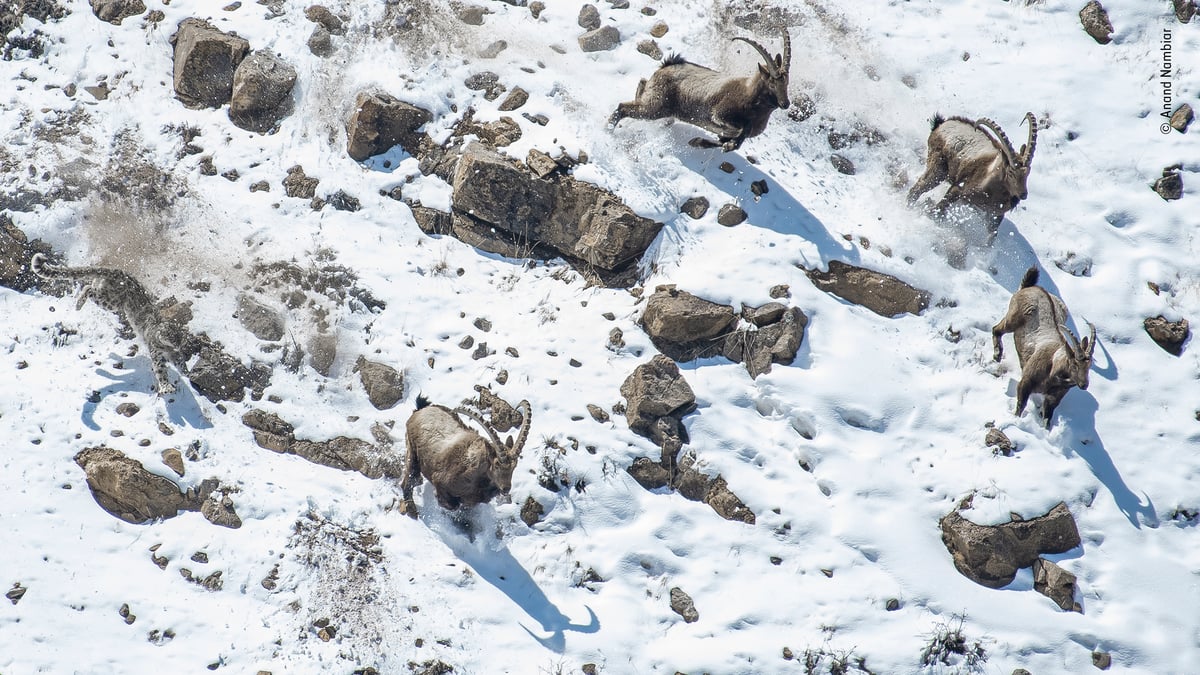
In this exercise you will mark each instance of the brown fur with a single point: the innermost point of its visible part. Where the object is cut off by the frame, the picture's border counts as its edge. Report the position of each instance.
(978, 161)
(733, 108)
(1052, 359)
(465, 468)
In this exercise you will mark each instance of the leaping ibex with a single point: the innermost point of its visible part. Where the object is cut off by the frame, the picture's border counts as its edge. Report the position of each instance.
(1052, 359)
(465, 468)
(980, 164)
(733, 108)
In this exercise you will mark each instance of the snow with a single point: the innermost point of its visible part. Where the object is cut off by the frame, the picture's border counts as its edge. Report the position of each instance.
(888, 414)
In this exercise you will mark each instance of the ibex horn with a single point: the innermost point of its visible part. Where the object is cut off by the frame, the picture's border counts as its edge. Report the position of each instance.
(1027, 155)
(486, 427)
(1000, 140)
(762, 51)
(787, 50)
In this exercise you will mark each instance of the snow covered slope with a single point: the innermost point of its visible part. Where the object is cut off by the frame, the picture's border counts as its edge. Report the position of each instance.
(849, 456)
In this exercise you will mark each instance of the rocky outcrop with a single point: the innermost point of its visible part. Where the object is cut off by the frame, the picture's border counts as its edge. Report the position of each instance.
(262, 92)
(380, 122)
(1170, 335)
(373, 460)
(124, 488)
(1055, 583)
(116, 11)
(264, 322)
(655, 391)
(218, 376)
(205, 61)
(881, 293)
(775, 336)
(684, 326)
(991, 555)
(15, 253)
(575, 219)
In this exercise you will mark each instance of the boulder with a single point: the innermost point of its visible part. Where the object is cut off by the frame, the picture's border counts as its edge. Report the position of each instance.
(384, 384)
(319, 14)
(991, 555)
(683, 326)
(1095, 22)
(1170, 335)
(695, 207)
(1055, 583)
(264, 322)
(16, 252)
(116, 11)
(772, 343)
(319, 42)
(299, 185)
(881, 293)
(601, 39)
(380, 122)
(655, 390)
(731, 214)
(578, 220)
(1170, 185)
(589, 17)
(218, 510)
(262, 88)
(1184, 10)
(681, 604)
(218, 376)
(1182, 118)
(124, 488)
(205, 61)
(342, 453)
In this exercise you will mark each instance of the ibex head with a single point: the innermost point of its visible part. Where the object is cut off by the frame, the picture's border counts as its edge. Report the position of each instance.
(503, 455)
(775, 70)
(1072, 365)
(1016, 164)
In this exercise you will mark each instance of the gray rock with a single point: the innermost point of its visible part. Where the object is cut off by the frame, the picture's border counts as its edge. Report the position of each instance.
(655, 390)
(218, 510)
(536, 8)
(380, 122)
(730, 215)
(1170, 185)
(842, 165)
(999, 442)
(319, 42)
(991, 555)
(1170, 335)
(205, 61)
(320, 15)
(1182, 118)
(1055, 583)
(384, 384)
(264, 322)
(1102, 660)
(881, 293)
(1095, 22)
(322, 350)
(218, 376)
(683, 326)
(116, 11)
(493, 50)
(602, 39)
(695, 207)
(650, 474)
(681, 604)
(472, 15)
(515, 99)
(173, 459)
(659, 29)
(341, 453)
(773, 343)
(589, 17)
(1184, 10)
(299, 185)
(650, 48)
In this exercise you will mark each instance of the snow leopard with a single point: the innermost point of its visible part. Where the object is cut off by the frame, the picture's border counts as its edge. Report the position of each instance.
(136, 307)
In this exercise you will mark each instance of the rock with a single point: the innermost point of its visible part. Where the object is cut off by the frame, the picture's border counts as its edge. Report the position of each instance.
(343, 201)
(597, 413)
(695, 207)
(271, 432)
(773, 343)
(343, 453)
(541, 164)
(842, 165)
(321, 16)
(319, 42)
(205, 61)
(487, 82)
(991, 555)
(262, 88)
(881, 293)
(174, 460)
(515, 99)
(431, 221)
(322, 351)
(1170, 335)
(1182, 118)
(764, 315)
(124, 488)
(536, 8)
(650, 48)
(219, 376)
(493, 50)
(726, 504)
(1102, 660)
(600, 40)
(380, 122)
(1184, 10)
(999, 442)
(780, 291)
(472, 15)
(299, 185)
(1096, 23)
(16, 252)
(384, 384)
(654, 390)
(532, 511)
(15, 593)
(219, 510)
(650, 474)
(683, 326)
(1170, 185)
(578, 220)
(589, 17)
(659, 29)
(681, 604)
(730, 215)
(116, 11)
(264, 322)
(1055, 583)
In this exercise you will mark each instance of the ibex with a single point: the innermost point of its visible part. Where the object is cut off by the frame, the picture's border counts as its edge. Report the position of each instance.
(979, 162)
(465, 468)
(733, 108)
(1052, 359)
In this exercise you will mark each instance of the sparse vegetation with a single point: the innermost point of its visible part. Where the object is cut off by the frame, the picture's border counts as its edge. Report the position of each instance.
(948, 646)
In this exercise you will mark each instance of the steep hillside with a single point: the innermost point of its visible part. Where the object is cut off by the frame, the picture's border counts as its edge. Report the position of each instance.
(291, 551)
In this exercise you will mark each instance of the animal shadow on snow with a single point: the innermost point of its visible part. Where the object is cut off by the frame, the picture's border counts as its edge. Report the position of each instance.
(182, 407)
(490, 558)
(776, 210)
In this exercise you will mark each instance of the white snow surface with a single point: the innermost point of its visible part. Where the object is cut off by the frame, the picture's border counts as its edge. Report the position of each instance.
(889, 415)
